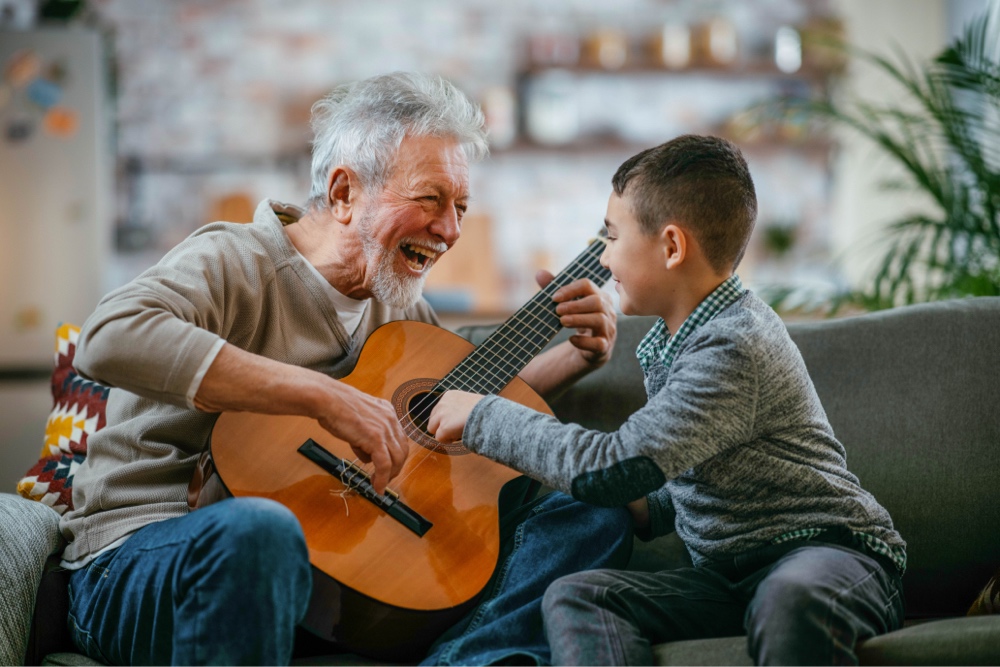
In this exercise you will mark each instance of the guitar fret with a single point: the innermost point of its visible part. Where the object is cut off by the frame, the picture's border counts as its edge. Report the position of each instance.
(495, 362)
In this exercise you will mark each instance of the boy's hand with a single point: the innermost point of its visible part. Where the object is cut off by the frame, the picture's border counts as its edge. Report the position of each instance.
(584, 306)
(447, 420)
(640, 513)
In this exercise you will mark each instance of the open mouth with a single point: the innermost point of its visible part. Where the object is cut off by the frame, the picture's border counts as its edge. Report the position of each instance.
(417, 257)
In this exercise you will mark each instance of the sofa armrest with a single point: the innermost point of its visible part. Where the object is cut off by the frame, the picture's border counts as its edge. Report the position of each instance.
(29, 534)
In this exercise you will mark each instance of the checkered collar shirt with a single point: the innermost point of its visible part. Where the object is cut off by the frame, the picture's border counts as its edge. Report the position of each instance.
(660, 345)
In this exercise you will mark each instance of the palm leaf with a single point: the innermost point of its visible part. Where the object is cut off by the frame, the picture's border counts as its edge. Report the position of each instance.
(945, 134)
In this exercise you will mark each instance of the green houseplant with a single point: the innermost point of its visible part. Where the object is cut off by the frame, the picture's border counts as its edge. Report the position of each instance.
(946, 137)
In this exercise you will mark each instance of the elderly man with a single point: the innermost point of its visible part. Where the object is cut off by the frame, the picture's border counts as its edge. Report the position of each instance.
(265, 318)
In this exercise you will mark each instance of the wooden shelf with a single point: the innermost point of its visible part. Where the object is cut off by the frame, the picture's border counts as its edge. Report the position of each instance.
(736, 70)
(815, 146)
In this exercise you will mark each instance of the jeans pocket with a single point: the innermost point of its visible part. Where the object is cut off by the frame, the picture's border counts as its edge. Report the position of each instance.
(897, 603)
(84, 592)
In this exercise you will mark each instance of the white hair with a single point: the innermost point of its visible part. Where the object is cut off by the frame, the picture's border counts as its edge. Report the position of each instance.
(362, 124)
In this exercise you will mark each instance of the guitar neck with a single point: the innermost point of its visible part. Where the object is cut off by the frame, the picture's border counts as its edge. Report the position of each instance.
(495, 362)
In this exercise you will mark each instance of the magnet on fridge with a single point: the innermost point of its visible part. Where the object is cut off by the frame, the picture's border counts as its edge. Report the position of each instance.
(22, 68)
(61, 122)
(44, 93)
(19, 130)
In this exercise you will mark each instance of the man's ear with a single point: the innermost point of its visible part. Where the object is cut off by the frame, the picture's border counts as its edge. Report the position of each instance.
(675, 245)
(341, 192)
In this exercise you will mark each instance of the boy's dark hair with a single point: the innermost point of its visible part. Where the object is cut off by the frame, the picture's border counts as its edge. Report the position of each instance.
(702, 183)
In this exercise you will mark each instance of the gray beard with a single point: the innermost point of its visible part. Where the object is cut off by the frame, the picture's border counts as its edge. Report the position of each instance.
(388, 286)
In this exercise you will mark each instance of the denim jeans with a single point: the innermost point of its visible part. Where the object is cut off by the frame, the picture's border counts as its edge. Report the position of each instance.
(541, 541)
(227, 584)
(799, 603)
(224, 585)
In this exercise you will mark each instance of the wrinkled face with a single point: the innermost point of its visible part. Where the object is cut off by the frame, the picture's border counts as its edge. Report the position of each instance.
(637, 262)
(415, 218)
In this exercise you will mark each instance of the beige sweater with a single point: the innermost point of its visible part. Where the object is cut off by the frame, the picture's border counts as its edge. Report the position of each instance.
(148, 340)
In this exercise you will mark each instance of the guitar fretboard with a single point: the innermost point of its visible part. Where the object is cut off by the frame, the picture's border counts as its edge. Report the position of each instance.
(495, 362)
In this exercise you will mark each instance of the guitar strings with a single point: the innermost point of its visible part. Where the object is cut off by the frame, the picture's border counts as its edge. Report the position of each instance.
(493, 381)
(538, 309)
(472, 369)
(469, 370)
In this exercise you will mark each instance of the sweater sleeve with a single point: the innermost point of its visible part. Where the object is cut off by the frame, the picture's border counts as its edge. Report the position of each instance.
(706, 406)
(153, 335)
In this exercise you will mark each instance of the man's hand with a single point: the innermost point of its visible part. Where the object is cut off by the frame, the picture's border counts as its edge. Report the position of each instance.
(370, 426)
(583, 306)
(447, 420)
(238, 380)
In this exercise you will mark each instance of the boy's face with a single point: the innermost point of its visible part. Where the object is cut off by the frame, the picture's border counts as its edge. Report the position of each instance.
(636, 260)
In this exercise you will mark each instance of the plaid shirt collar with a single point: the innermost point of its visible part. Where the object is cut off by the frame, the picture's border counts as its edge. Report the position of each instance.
(658, 344)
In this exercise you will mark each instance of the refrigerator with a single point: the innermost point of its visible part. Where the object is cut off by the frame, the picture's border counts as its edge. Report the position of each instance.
(56, 228)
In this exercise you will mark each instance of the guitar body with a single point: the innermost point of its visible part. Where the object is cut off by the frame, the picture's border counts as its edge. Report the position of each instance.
(381, 588)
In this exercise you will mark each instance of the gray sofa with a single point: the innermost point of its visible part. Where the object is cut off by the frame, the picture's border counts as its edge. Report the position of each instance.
(914, 395)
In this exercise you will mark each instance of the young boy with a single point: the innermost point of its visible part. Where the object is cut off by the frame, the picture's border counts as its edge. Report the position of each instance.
(732, 450)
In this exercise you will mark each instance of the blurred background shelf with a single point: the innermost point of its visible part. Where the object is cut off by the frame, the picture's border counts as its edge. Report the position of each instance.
(203, 108)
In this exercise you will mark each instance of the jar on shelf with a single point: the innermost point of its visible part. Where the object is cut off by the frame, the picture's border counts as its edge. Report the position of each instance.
(500, 109)
(787, 49)
(551, 109)
(716, 43)
(553, 48)
(606, 48)
(670, 47)
(822, 38)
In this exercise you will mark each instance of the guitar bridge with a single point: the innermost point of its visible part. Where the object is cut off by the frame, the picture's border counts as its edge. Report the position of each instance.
(359, 481)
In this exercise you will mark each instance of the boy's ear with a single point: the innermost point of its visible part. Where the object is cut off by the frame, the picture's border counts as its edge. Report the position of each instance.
(675, 243)
(341, 192)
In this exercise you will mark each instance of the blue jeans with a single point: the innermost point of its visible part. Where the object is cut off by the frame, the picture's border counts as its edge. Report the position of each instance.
(543, 540)
(799, 603)
(224, 585)
(227, 584)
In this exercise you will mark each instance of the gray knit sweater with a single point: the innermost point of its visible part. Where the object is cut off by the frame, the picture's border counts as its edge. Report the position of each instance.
(733, 446)
(244, 283)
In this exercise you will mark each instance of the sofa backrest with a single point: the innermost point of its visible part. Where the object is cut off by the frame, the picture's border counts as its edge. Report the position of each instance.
(914, 395)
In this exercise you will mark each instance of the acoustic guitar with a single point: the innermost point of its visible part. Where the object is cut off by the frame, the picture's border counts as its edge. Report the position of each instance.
(391, 572)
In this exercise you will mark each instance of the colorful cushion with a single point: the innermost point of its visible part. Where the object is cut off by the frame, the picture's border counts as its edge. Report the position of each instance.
(78, 407)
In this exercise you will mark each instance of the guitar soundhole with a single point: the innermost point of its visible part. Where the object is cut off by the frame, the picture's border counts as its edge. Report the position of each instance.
(413, 402)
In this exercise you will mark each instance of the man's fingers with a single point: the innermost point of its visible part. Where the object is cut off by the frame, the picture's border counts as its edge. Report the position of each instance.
(590, 303)
(576, 289)
(383, 470)
(543, 277)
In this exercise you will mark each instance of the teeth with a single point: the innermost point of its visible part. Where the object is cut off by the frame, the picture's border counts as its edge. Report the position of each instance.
(431, 255)
(426, 252)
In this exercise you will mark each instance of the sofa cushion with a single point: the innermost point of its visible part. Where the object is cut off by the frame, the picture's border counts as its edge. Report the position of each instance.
(988, 600)
(78, 409)
(950, 641)
(29, 533)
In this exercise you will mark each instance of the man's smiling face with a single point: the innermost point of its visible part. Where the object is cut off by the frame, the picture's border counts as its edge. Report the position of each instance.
(414, 219)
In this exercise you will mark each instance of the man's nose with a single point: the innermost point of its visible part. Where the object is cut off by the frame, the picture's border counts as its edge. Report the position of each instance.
(447, 225)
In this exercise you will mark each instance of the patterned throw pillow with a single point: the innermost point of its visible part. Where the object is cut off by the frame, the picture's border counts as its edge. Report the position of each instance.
(78, 407)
